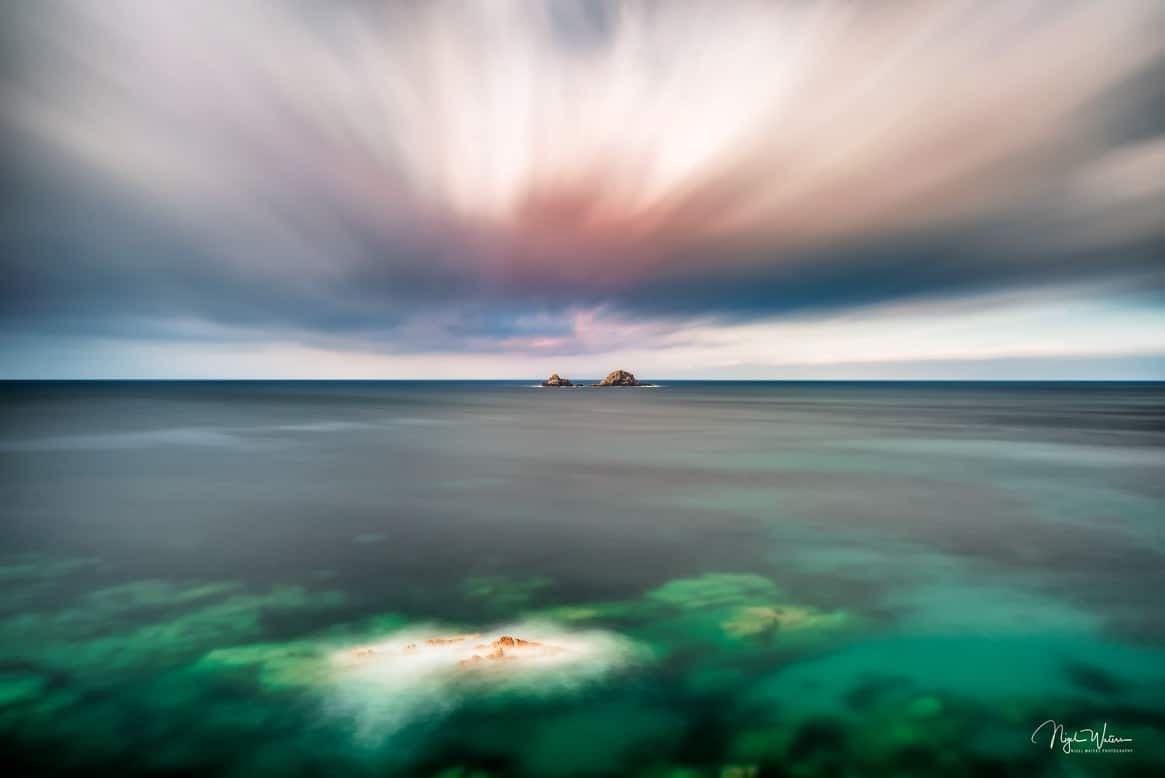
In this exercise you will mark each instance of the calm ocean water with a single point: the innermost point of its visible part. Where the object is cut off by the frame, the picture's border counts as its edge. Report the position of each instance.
(737, 579)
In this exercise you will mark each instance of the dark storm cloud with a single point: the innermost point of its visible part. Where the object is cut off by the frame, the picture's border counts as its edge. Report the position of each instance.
(949, 262)
(453, 175)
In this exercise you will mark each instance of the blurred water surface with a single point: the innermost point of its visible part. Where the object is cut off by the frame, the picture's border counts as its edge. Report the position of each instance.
(805, 578)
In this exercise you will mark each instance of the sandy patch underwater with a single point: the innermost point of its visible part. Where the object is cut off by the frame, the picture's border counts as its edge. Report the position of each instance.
(424, 671)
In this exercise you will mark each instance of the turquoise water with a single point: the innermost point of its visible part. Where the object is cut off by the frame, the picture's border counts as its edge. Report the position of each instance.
(725, 579)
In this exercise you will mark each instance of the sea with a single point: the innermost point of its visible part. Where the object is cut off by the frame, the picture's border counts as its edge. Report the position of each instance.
(488, 578)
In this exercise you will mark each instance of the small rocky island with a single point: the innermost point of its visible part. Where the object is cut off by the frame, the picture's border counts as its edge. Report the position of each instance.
(614, 378)
(618, 378)
(556, 380)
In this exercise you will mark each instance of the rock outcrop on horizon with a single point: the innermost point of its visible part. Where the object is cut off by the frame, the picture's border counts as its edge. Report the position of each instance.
(618, 378)
(556, 380)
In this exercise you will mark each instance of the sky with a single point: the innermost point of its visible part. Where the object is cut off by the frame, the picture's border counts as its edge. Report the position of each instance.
(747, 190)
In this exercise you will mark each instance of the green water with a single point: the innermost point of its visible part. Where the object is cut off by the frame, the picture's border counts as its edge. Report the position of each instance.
(744, 579)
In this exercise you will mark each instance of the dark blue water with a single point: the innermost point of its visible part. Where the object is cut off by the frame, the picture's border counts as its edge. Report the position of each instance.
(725, 578)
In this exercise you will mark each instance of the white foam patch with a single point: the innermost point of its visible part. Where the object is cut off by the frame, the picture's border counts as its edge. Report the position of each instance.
(425, 673)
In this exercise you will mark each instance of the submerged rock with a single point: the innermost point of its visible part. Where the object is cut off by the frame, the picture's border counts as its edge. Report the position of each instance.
(507, 641)
(416, 675)
(506, 648)
(502, 650)
(556, 380)
(618, 378)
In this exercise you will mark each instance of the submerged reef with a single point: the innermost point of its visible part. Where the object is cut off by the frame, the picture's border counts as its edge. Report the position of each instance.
(714, 674)
(505, 648)
(448, 653)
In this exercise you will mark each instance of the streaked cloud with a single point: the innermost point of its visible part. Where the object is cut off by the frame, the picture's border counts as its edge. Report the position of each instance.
(1050, 333)
(526, 178)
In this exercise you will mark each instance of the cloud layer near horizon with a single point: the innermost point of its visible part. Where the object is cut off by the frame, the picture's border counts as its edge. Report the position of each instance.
(571, 179)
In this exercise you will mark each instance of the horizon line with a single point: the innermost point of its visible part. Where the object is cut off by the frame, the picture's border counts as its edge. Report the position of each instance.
(653, 380)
